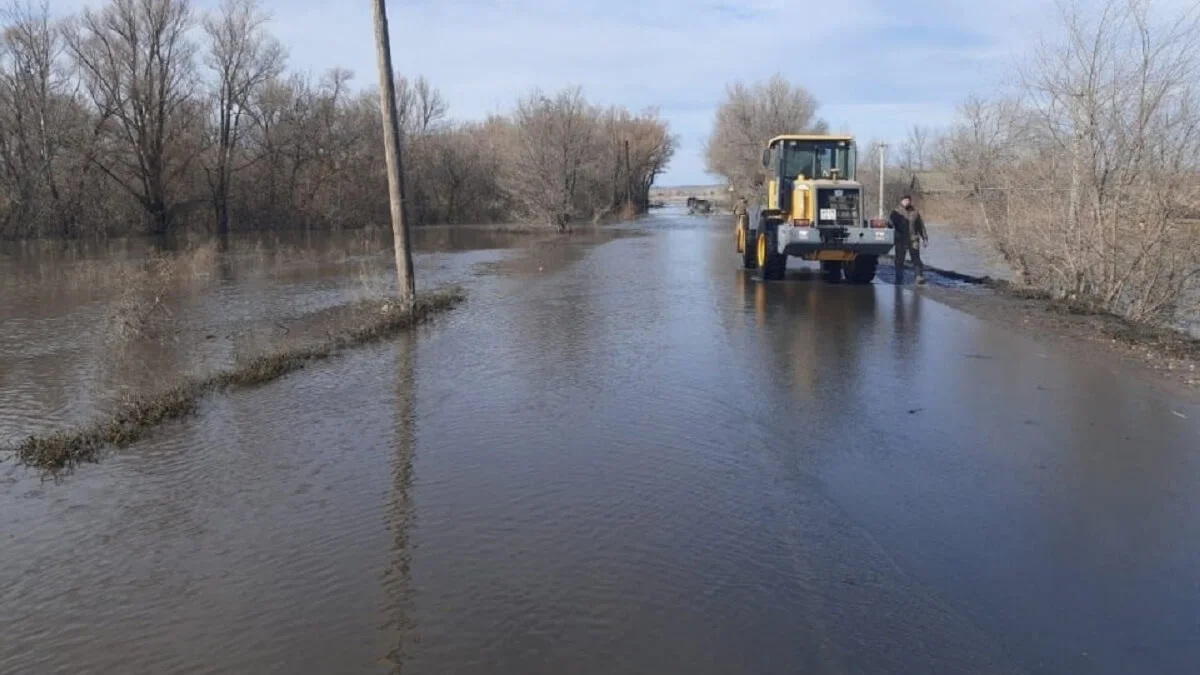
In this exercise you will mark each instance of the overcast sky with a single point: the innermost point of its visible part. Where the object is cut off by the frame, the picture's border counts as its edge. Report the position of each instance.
(876, 66)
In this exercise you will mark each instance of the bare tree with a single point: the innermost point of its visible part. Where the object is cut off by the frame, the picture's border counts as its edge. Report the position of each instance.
(420, 105)
(553, 145)
(914, 151)
(136, 62)
(1088, 180)
(982, 150)
(243, 58)
(1119, 103)
(108, 127)
(748, 118)
(649, 148)
(631, 152)
(32, 94)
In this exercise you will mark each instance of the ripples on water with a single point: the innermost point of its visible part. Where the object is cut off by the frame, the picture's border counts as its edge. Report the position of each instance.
(615, 457)
(64, 357)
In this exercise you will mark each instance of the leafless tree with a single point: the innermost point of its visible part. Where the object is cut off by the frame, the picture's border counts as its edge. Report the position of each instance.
(913, 152)
(1119, 103)
(632, 150)
(33, 96)
(552, 146)
(118, 124)
(420, 105)
(137, 63)
(651, 148)
(747, 118)
(981, 150)
(1089, 180)
(242, 58)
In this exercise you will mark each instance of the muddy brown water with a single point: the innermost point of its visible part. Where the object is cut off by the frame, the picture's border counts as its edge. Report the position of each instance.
(621, 454)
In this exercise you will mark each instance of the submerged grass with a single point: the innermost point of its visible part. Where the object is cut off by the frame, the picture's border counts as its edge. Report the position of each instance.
(370, 321)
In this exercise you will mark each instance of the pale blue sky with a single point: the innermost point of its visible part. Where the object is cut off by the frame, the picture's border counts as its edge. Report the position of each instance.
(877, 67)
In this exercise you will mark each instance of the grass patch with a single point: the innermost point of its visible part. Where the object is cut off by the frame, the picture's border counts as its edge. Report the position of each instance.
(370, 321)
(1158, 340)
(1021, 291)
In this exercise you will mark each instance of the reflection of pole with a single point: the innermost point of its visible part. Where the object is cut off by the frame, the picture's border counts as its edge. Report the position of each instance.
(882, 154)
(391, 150)
(397, 579)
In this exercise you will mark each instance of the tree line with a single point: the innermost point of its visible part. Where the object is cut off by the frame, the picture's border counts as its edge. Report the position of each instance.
(1085, 176)
(147, 116)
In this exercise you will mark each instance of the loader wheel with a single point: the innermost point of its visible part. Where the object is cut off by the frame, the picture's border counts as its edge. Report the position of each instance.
(832, 269)
(748, 250)
(861, 270)
(771, 263)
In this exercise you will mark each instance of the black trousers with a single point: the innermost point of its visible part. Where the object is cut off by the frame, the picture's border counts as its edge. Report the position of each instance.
(905, 248)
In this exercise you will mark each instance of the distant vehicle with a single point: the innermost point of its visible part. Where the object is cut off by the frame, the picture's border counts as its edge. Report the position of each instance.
(813, 211)
(696, 205)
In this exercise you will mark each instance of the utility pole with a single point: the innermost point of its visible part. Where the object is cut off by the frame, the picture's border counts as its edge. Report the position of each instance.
(391, 149)
(882, 164)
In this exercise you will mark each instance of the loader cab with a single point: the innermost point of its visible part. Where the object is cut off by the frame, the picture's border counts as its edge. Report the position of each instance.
(805, 158)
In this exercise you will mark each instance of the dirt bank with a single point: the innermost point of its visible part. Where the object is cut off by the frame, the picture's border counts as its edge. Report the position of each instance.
(1169, 356)
(969, 276)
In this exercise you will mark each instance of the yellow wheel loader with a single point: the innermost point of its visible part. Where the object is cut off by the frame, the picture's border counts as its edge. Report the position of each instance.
(813, 211)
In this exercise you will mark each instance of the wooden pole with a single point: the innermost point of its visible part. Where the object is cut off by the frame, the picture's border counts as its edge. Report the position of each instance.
(391, 148)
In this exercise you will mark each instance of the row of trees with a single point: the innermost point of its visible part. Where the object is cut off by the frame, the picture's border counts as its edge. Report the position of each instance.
(1085, 176)
(147, 116)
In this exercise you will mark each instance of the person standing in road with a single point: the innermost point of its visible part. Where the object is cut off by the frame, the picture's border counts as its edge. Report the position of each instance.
(910, 236)
(741, 210)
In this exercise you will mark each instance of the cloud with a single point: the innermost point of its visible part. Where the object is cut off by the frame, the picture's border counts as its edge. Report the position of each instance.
(876, 66)
(859, 58)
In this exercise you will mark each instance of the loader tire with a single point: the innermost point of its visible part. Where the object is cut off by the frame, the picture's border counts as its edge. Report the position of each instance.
(771, 263)
(749, 258)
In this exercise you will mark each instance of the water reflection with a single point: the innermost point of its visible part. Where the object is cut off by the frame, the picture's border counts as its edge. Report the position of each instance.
(399, 626)
(629, 462)
(906, 338)
(818, 331)
(85, 322)
(464, 238)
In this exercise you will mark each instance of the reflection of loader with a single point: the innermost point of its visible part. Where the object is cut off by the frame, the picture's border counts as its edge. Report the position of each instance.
(813, 211)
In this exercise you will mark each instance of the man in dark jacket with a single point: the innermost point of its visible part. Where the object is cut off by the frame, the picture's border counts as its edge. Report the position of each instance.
(910, 235)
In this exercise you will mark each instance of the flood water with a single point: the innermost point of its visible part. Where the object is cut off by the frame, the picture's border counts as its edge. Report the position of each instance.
(621, 454)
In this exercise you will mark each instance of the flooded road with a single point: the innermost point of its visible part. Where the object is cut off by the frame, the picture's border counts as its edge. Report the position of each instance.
(617, 456)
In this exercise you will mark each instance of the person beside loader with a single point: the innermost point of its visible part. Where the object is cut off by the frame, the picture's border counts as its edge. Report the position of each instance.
(741, 212)
(741, 228)
(910, 236)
